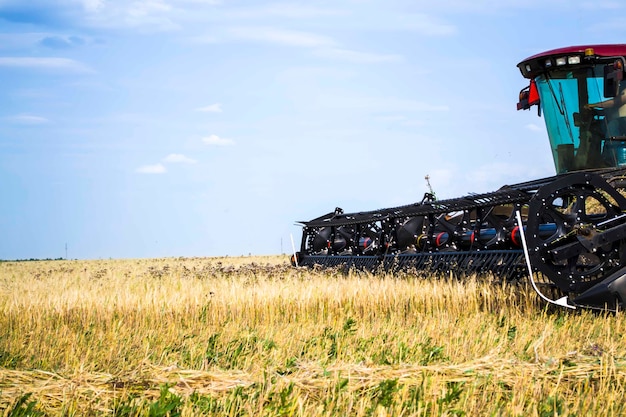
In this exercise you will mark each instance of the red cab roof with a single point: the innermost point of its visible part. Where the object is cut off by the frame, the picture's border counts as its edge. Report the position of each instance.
(538, 64)
(601, 50)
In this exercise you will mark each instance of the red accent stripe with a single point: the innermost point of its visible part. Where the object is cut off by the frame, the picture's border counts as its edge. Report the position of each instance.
(533, 94)
(514, 234)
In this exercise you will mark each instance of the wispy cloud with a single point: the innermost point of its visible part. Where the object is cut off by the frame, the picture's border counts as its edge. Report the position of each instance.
(533, 127)
(493, 6)
(281, 36)
(595, 5)
(151, 169)
(93, 5)
(216, 140)
(356, 56)
(151, 15)
(213, 108)
(61, 42)
(383, 105)
(282, 10)
(173, 158)
(141, 15)
(143, 8)
(486, 6)
(29, 40)
(55, 64)
(27, 119)
(177, 158)
(202, 2)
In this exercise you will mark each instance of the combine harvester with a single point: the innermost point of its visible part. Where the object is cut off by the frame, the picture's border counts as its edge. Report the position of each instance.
(569, 230)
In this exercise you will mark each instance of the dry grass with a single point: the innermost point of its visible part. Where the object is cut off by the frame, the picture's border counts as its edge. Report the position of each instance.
(253, 336)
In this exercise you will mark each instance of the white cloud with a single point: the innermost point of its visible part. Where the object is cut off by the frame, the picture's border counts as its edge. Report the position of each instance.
(207, 2)
(93, 5)
(281, 36)
(27, 119)
(213, 108)
(375, 18)
(482, 6)
(173, 158)
(356, 57)
(282, 10)
(492, 6)
(595, 5)
(177, 158)
(216, 140)
(144, 15)
(151, 15)
(152, 169)
(534, 127)
(62, 64)
(143, 8)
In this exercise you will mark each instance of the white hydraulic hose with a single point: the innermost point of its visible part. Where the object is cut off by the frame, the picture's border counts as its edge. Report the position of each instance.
(561, 301)
(293, 247)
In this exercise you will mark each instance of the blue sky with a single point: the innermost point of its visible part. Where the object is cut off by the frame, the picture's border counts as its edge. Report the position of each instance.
(157, 128)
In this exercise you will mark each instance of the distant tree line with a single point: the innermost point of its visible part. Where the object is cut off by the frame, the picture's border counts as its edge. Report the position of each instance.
(32, 260)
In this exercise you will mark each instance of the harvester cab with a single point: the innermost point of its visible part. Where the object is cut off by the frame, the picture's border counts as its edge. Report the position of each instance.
(567, 232)
(582, 94)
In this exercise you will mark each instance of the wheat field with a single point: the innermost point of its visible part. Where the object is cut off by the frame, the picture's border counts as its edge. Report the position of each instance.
(252, 336)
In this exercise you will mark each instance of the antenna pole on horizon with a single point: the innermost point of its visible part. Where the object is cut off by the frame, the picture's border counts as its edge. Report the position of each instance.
(430, 188)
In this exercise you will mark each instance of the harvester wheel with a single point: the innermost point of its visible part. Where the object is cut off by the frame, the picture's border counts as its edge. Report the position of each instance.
(577, 204)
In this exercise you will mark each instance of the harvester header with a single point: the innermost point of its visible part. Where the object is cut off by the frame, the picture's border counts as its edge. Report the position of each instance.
(570, 229)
